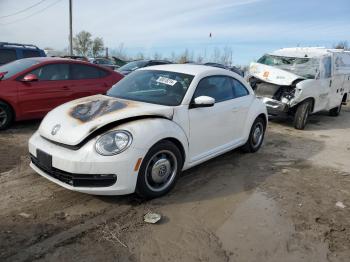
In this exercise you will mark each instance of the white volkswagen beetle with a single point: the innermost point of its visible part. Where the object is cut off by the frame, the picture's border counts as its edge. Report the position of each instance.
(149, 127)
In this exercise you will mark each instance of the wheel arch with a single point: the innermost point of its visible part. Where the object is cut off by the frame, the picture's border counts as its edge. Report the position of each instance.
(178, 144)
(345, 99)
(10, 106)
(311, 99)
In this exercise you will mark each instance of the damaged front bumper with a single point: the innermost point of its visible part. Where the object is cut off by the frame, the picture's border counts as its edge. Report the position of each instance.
(84, 170)
(275, 107)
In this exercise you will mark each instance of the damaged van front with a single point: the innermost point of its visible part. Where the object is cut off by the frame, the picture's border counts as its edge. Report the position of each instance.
(297, 82)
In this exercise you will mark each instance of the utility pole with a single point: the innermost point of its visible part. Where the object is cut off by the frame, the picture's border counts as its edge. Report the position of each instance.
(70, 29)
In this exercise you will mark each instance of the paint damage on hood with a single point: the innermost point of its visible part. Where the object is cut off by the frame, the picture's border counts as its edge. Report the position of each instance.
(275, 86)
(272, 74)
(72, 122)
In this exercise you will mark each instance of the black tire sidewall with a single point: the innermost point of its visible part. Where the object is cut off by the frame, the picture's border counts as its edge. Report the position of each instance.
(9, 113)
(302, 115)
(249, 146)
(141, 187)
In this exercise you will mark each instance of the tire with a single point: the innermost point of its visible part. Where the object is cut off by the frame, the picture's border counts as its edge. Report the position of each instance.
(335, 111)
(159, 170)
(302, 115)
(256, 136)
(6, 116)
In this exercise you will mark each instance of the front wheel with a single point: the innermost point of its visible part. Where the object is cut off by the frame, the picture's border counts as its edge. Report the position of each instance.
(159, 170)
(256, 136)
(302, 115)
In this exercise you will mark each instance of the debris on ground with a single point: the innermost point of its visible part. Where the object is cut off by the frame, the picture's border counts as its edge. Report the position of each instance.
(340, 204)
(152, 218)
(25, 215)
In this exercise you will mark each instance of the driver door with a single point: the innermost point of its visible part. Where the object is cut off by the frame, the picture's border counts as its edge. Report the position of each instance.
(212, 128)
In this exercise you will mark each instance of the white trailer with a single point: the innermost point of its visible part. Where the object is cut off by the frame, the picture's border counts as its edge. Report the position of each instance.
(300, 81)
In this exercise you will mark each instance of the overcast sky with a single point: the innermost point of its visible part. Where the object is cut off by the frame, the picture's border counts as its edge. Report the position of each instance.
(249, 27)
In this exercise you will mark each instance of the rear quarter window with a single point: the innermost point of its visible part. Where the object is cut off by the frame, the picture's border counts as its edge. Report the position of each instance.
(7, 55)
(87, 72)
(31, 53)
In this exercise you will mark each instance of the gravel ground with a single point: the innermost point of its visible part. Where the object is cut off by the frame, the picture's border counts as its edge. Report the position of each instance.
(279, 204)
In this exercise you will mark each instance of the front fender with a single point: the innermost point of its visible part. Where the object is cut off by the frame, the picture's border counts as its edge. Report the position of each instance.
(257, 108)
(147, 132)
(307, 89)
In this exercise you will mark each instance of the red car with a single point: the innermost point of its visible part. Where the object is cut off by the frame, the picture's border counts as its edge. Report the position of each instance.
(31, 87)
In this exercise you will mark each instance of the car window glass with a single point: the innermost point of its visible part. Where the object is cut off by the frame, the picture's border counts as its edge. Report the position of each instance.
(153, 86)
(327, 67)
(52, 72)
(239, 89)
(218, 87)
(103, 73)
(84, 72)
(7, 55)
(30, 53)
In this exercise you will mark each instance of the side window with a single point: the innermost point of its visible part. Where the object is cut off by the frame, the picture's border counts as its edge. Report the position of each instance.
(7, 55)
(84, 72)
(239, 89)
(218, 87)
(52, 72)
(30, 53)
(103, 73)
(327, 67)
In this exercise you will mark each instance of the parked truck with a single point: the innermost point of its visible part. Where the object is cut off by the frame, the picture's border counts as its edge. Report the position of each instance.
(301, 81)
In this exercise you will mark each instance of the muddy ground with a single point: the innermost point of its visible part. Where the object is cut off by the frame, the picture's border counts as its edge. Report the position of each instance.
(276, 205)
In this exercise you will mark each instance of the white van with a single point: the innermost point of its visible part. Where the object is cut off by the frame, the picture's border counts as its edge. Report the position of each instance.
(302, 80)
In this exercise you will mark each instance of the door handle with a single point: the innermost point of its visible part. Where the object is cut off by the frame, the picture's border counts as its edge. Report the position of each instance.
(235, 109)
(330, 83)
(65, 87)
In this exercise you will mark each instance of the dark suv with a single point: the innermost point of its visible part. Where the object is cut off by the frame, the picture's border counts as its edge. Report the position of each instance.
(12, 51)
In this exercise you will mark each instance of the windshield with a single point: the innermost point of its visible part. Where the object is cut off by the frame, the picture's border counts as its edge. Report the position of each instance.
(305, 67)
(153, 86)
(17, 66)
(133, 66)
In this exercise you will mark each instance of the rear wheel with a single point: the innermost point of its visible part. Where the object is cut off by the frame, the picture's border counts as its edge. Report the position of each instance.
(302, 114)
(335, 111)
(256, 136)
(6, 115)
(159, 170)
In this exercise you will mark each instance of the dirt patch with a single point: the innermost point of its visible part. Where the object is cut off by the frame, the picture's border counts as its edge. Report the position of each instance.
(276, 205)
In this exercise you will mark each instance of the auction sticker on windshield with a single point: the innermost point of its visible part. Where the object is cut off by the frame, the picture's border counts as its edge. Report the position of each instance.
(167, 81)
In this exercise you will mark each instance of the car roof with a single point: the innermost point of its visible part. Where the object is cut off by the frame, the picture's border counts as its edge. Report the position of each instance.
(190, 69)
(302, 52)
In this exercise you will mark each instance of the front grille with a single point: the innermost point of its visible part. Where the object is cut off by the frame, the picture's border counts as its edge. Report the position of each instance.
(76, 180)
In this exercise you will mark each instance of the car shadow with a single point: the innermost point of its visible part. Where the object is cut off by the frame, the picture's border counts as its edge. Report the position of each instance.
(233, 172)
(318, 121)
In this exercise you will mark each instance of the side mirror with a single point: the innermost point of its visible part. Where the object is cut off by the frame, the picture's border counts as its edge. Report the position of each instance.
(203, 101)
(30, 78)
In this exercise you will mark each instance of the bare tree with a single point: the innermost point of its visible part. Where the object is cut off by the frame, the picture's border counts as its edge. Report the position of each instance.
(342, 45)
(121, 52)
(216, 57)
(97, 46)
(82, 43)
(226, 58)
(140, 56)
(157, 56)
(200, 59)
(184, 57)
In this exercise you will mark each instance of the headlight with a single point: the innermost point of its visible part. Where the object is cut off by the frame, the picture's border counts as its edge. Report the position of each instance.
(113, 142)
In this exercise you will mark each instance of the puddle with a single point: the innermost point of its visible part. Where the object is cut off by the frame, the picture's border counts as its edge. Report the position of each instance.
(258, 231)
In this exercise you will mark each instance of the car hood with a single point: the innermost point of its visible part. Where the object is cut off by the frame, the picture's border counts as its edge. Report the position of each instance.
(72, 122)
(272, 74)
